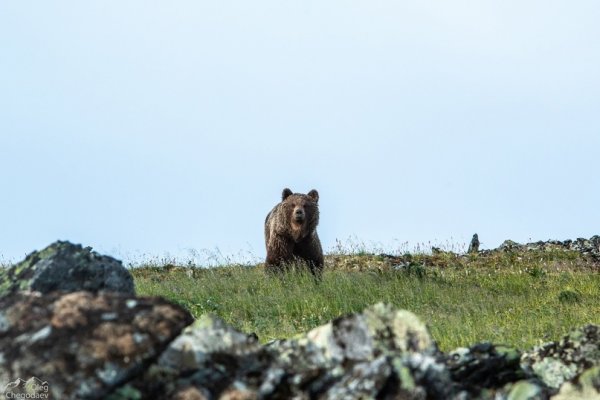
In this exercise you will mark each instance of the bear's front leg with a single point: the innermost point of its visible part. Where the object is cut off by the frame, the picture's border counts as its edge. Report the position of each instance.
(311, 252)
(280, 251)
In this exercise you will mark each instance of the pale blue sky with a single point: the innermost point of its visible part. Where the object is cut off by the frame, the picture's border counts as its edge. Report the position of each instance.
(143, 128)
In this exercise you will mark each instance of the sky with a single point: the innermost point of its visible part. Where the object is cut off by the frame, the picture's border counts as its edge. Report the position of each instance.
(150, 129)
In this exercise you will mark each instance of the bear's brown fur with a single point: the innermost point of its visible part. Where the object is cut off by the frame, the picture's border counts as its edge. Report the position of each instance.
(291, 232)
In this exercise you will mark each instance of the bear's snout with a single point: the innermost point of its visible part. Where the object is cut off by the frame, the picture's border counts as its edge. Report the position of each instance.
(299, 215)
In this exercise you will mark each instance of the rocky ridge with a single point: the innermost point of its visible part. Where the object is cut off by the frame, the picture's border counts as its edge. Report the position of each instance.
(585, 250)
(91, 342)
(586, 247)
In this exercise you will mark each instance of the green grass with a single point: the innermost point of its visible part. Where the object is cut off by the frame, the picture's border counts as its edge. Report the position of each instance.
(514, 299)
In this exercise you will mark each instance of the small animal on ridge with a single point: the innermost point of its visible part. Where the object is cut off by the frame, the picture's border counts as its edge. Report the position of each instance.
(474, 245)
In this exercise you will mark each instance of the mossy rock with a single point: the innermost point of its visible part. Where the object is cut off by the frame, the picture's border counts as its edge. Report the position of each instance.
(66, 267)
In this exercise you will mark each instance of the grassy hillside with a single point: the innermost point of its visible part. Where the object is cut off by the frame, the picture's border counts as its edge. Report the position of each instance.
(504, 297)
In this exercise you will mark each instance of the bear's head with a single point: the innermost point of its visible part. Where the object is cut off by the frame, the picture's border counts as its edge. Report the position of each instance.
(302, 210)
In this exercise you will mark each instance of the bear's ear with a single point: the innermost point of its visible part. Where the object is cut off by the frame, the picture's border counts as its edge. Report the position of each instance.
(314, 195)
(286, 192)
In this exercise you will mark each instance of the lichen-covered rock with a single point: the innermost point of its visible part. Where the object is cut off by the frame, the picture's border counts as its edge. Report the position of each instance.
(380, 353)
(209, 356)
(363, 380)
(524, 390)
(361, 342)
(584, 387)
(558, 362)
(485, 365)
(83, 344)
(424, 376)
(299, 369)
(510, 245)
(207, 336)
(66, 267)
(380, 329)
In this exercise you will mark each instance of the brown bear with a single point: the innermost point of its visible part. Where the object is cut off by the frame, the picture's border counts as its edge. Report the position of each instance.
(291, 232)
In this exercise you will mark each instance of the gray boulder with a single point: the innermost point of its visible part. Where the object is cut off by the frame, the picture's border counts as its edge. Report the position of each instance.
(584, 387)
(209, 358)
(510, 245)
(485, 365)
(66, 267)
(380, 353)
(558, 362)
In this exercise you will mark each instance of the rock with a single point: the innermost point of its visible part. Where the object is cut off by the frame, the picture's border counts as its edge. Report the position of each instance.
(585, 387)
(379, 353)
(485, 365)
(489, 371)
(380, 329)
(524, 390)
(83, 344)
(206, 336)
(66, 267)
(299, 368)
(364, 380)
(359, 341)
(558, 362)
(208, 355)
(509, 245)
(382, 352)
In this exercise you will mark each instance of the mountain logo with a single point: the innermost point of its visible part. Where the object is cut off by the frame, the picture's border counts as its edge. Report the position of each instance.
(34, 388)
